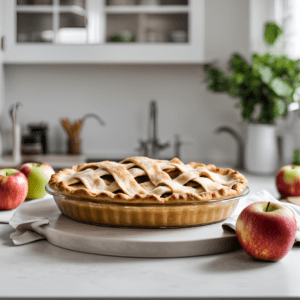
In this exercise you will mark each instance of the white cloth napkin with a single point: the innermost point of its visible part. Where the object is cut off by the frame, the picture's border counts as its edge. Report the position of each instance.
(256, 197)
(26, 233)
(25, 224)
(6, 215)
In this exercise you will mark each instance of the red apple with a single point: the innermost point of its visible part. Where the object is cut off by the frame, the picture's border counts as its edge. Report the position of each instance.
(288, 180)
(13, 188)
(266, 230)
(38, 175)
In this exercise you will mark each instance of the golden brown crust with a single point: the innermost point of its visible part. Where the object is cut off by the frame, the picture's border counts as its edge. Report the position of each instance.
(144, 180)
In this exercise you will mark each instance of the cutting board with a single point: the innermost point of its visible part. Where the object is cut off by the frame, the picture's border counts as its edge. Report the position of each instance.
(129, 242)
(294, 200)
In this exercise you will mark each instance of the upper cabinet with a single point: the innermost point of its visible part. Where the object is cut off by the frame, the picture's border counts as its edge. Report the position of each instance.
(103, 31)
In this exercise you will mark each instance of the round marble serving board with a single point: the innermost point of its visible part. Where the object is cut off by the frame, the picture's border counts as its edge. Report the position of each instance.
(294, 200)
(129, 242)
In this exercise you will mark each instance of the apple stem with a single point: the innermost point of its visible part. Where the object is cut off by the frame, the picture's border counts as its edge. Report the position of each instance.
(268, 206)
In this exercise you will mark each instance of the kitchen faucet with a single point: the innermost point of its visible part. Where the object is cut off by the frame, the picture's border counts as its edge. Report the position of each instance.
(240, 142)
(91, 115)
(152, 147)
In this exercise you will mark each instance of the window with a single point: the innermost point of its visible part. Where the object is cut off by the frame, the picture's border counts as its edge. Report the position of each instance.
(291, 25)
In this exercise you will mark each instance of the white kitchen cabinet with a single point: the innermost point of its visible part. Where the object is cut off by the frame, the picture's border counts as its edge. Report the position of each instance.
(81, 31)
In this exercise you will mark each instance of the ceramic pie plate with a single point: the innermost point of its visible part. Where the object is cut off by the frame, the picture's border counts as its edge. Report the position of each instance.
(158, 215)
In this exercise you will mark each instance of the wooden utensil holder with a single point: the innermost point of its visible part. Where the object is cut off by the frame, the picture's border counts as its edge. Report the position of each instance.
(74, 145)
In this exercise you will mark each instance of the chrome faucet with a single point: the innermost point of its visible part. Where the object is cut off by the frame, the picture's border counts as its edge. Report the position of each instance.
(152, 147)
(177, 145)
(240, 143)
(91, 115)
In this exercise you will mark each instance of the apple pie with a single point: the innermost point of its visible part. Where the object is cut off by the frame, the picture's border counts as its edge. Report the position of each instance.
(144, 192)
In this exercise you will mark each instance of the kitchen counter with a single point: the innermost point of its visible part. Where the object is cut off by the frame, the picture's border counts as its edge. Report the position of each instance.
(42, 270)
(57, 161)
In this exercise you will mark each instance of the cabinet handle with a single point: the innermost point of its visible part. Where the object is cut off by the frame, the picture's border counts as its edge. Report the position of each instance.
(3, 42)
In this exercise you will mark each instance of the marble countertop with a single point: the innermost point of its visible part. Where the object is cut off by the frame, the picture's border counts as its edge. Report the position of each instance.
(55, 160)
(41, 270)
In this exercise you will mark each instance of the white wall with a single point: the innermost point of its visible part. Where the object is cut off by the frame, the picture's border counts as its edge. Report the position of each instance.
(120, 94)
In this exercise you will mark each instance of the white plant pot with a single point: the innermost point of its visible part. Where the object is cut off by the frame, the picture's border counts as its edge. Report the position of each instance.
(261, 149)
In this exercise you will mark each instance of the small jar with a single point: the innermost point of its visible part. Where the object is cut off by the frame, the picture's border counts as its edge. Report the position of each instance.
(31, 145)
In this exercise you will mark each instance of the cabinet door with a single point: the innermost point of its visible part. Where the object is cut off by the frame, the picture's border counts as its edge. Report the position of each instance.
(104, 31)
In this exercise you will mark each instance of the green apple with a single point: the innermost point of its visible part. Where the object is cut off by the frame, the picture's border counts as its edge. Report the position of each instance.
(38, 175)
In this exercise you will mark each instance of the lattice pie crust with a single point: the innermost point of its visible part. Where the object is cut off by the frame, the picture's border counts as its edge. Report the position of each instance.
(144, 180)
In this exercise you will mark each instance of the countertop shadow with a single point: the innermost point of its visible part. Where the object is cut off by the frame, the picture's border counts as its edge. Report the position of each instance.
(234, 262)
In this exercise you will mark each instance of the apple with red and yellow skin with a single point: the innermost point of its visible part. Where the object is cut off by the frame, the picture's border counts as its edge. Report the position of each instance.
(13, 188)
(288, 180)
(38, 175)
(266, 230)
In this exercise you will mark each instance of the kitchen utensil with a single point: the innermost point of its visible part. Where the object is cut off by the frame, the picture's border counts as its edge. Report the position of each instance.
(73, 131)
(18, 106)
(16, 132)
(14, 112)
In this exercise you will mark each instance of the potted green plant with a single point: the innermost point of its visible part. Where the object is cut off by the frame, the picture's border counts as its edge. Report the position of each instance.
(265, 87)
